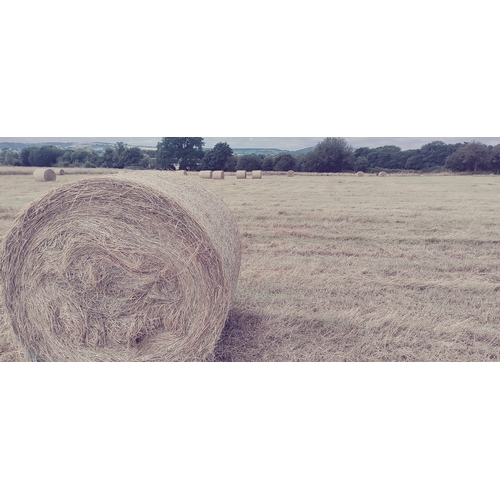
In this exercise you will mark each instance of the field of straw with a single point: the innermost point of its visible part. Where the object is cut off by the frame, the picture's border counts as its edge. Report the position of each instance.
(5, 170)
(347, 268)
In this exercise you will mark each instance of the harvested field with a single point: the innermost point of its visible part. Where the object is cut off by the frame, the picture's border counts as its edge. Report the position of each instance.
(67, 170)
(334, 269)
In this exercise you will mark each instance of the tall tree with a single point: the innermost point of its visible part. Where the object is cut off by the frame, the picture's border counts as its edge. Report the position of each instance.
(430, 155)
(473, 157)
(185, 151)
(495, 158)
(217, 158)
(249, 162)
(361, 164)
(268, 163)
(132, 156)
(25, 155)
(332, 154)
(107, 158)
(44, 156)
(284, 161)
(9, 158)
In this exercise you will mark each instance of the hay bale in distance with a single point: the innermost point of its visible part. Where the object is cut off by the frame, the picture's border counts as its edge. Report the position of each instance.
(290, 173)
(218, 174)
(44, 175)
(360, 174)
(241, 174)
(382, 174)
(256, 174)
(205, 174)
(61, 171)
(136, 266)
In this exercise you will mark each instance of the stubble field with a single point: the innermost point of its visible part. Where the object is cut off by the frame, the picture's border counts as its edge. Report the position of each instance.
(342, 268)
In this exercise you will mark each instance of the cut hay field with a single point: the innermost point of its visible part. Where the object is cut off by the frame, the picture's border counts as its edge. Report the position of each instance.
(347, 268)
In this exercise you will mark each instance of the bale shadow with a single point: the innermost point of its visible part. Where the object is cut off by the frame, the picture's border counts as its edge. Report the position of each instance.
(239, 336)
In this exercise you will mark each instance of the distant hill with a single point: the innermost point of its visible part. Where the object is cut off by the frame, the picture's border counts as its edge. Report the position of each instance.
(101, 146)
(302, 151)
(22, 145)
(96, 146)
(267, 151)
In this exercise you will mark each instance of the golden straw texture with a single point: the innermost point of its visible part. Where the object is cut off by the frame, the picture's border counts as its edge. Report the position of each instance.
(44, 175)
(138, 266)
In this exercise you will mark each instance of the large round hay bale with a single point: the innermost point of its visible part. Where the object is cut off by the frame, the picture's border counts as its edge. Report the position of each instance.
(218, 174)
(290, 173)
(360, 174)
(256, 174)
(137, 266)
(241, 174)
(382, 174)
(205, 174)
(44, 175)
(61, 171)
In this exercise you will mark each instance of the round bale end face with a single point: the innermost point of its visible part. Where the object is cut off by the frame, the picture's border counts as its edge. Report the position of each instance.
(382, 174)
(360, 174)
(290, 173)
(131, 267)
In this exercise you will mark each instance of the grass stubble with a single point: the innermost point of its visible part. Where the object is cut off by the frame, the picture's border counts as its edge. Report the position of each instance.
(342, 268)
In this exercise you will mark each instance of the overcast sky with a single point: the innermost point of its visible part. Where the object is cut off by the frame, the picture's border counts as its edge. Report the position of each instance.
(290, 143)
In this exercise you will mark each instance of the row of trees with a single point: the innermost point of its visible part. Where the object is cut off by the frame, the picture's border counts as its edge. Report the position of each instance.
(329, 155)
(120, 156)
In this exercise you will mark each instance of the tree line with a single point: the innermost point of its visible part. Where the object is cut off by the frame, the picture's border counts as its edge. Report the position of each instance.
(329, 155)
